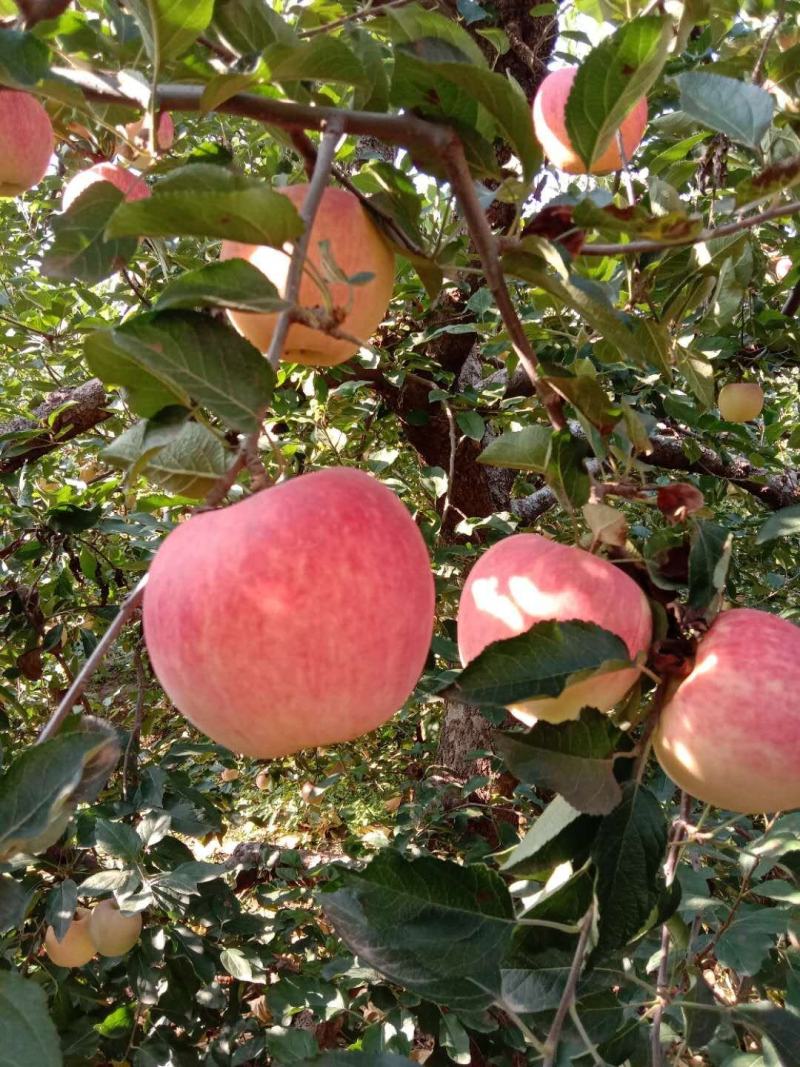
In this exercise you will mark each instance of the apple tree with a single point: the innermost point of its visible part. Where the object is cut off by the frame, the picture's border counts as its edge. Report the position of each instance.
(399, 576)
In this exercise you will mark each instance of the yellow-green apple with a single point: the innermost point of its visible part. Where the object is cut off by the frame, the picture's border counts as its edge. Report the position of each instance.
(299, 617)
(130, 185)
(76, 946)
(550, 127)
(230, 774)
(730, 733)
(26, 142)
(356, 247)
(740, 401)
(114, 932)
(525, 579)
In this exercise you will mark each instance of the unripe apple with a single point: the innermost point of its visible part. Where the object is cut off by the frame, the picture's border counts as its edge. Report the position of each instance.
(26, 142)
(76, 947)
(740, 401)
(301, 616)
(550, 127)
(114, 932)
(525, 579)
(730, 734)
(356, 247)
(230, 774)
(130, 185)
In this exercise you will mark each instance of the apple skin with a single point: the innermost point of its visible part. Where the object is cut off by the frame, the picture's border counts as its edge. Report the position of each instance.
(356, 246)
(299, 617)
(141, 130)
(77, 947)
(114, 932)
(525, 579)
(130, 185)
(730, 734)
(26, 142)
(740, 401)
(549, 125)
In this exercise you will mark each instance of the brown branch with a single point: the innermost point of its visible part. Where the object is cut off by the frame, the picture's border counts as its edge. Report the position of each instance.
(792, 301)
(568, 996)
(84, 406)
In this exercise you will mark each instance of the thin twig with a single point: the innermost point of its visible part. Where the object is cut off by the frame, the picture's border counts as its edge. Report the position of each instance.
(792, 301)
(568, 996)
(138, 715)
(451, 470)
(758, 69)
(75, 691)
(670, 867)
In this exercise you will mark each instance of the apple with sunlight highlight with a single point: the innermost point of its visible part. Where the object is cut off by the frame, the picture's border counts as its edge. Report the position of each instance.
(730, 734)
(299, 617)
(26, 142)
(550, 127)
(129, 184)
(740, 401)
(342, 230)
(114, 932)
(525, 579)
(76, 947)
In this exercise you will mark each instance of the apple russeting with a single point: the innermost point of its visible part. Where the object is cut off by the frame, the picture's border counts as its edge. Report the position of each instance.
(26, 142)
(730, 734)
(525, 579)
(114, 932)
(356, 247)
(299, 617)
(740, 401)
(129, 184)
(550, 127)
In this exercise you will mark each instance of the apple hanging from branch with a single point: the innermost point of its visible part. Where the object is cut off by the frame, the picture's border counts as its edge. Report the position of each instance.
(129, 184)
(26, 142)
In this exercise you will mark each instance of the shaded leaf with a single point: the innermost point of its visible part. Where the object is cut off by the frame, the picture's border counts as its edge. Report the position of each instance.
(27, 1033)
(24, 59)
(169, 27)
(323, 58)
(523, 450)
(783, 523)
(232, 283)
(81, 250)
(566, 472)
(62, 901)
(740, 110)
(560, 833)
(709, 557)
(745, 943)
(190, 464)
(780, 1026)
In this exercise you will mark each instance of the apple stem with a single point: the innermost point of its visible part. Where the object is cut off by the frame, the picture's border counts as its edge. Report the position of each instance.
(75, 692)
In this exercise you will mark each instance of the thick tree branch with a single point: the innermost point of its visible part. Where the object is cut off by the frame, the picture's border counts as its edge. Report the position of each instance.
(65, 414)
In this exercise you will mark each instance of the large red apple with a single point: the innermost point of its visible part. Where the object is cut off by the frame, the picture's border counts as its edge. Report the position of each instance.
(356, 247)
(26, 142)
(730, 734)
(299, 617)
(130, 185)
(525, 579)
(550, 127)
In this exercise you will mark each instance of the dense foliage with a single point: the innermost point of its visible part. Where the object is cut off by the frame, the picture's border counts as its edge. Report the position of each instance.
(451, 887)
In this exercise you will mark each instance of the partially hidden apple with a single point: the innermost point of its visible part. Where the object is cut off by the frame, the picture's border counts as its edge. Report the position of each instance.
(76, 947)
(550, 127)
(740, 401)
(130, 185)
(139, 131)
(525, 579)
(26, 142)
(356, 247)
(730, 733)
(299, 617)
(114, 932)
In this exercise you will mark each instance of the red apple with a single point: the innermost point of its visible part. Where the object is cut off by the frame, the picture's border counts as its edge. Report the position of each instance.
(114, 932)
(526, 579)
(356, 247)
(26, 142)
(740, 401)
(131, 185)
(550, 127)
(299, 617)
(76, 947)
(730, 734)
(140, 131)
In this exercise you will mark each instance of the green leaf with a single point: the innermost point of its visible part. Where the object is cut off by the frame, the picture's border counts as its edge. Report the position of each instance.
(80, 249)
(700, 1026)
(784, 523)
(24, 59)
(560, 833)
(250, 26)
(781, 1027)
(203, 200)
(746, 942)
(587, 396)
(709, 557)
(323, 58)
(193, 357)
(169, 27)
(13, 903)
(740, 110)
(189, 465)
(573, 759)
(231, 283)
(471, 425)
(412, 23)
(118, 1022)
(437, 928)
(566, 473)
(27, 1033)
(40, 788)
(541, 662)
(356, 1059)
(223, 86)
(62, 901)
(628, 852)
(699, 374)
(611, 79)
(776, 178)
(118, 840)
(522, 450)
(454, 1039)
